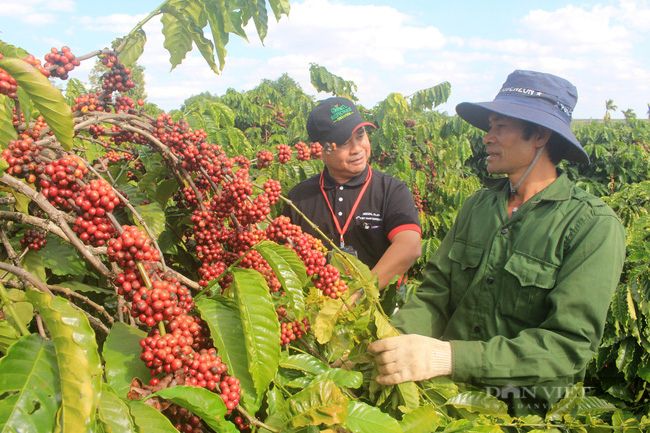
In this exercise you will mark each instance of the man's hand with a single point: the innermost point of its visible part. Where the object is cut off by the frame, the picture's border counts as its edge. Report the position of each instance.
(410, 358)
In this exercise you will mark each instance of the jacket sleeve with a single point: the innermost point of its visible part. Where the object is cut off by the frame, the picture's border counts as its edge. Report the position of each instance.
(569, 335)
(427, 311)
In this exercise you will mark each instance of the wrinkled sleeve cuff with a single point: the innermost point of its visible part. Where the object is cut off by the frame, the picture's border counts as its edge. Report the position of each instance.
(467, 361)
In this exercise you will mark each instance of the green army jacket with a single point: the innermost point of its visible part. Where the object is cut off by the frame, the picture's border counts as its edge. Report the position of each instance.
(523, 300)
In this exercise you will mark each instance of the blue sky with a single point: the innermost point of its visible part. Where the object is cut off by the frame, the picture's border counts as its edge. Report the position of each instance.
(383, 46)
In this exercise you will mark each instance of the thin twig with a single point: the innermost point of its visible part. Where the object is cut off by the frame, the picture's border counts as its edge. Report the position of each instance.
(42, 224)
(254, 421)
(56, 216)
(71, 293)
(136, 215)
(25, 276)
(41, 328)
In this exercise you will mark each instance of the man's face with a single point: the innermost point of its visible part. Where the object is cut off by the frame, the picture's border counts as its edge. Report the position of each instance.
(350, 158)
(508, 152)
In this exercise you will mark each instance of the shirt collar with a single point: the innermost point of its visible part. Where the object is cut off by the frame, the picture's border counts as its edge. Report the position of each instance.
(356, 181)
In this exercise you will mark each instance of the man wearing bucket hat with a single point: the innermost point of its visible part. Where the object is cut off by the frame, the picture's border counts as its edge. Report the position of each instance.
(516, 297)
(360, 209)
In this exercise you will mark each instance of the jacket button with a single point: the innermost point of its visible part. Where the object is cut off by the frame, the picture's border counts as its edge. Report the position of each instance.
(489, 280)
(504, 231)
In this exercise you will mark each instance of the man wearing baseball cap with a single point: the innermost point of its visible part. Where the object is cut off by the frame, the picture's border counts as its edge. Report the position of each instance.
(363, 211)
(516, 297)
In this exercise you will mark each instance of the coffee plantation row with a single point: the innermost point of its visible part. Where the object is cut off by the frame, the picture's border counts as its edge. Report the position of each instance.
(150, 285)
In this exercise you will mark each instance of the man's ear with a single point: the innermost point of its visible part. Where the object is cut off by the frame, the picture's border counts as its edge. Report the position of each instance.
(542, 135)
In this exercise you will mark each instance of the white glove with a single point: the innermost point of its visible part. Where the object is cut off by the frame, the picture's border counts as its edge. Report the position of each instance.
(410, 358)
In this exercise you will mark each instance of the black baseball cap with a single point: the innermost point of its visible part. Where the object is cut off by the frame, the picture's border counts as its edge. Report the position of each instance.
(334, 120)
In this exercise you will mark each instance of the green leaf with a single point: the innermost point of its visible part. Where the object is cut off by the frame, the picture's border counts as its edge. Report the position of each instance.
(46, 98)
(409, 393)
(424, 419)
(256, 9)
(8, 335)
(222, 316)
(326, 319)
(363, 418)
(476, 401)
(61, 258)
(80, 370)
(201, 402)
(114, 413)
(74, 89)
(78, 286)
(319, 403)
(29, 386)
(359, 273)
(154, 216)
(33, 262)
(148, 419)
(121, 354)
(431, 97)
(384, 327)
(219, 20)
(280, 7)
(342, 377)
(7, 130)
(26, 105)
(178, 42)
(304, 362)
(289, 270)
(133, 48)
(324, 81)
(24, 311)
(260, 325)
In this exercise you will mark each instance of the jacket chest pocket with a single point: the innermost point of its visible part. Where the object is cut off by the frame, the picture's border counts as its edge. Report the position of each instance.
(532, 279)
(465, 259)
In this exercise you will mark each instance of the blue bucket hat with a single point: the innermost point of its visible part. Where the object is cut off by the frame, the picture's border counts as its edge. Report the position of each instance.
(543, 99)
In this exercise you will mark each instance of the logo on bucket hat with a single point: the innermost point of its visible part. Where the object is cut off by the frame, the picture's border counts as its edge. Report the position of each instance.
(541, 98)
(334, 120)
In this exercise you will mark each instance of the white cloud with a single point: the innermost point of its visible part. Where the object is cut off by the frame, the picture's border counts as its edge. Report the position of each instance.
(35, 12)
(115, 23)
(579, 30)
(384, 50)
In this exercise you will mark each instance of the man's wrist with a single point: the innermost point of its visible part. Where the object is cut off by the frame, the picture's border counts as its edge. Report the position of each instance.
(442, 362)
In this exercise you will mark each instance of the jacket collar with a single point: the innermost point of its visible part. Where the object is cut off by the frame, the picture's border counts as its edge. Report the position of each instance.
(559, 190)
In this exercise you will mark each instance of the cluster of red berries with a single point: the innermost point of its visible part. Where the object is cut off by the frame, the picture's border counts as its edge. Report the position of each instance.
(21, 156)
(61, 180)
(37, 64)
(165, 301)
(118, 78)
(130, 247)
(34, 239)
(316, 150)
(264, 158)
(292, 331)
(284, 153)
(183, 420)
(303, 151)
(90, 102)
(97, 198)
(8, 84)
(60, 62)
(312, 252)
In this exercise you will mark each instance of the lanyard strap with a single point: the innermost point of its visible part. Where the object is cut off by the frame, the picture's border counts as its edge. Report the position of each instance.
(354, 207)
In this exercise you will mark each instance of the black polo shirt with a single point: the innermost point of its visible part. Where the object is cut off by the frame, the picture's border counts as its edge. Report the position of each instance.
(385, 209)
